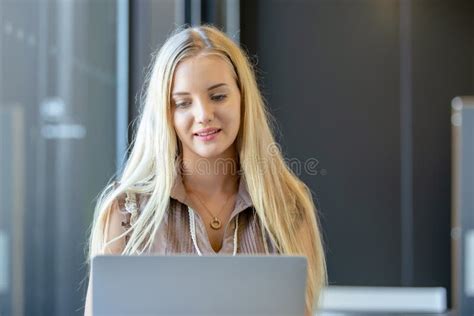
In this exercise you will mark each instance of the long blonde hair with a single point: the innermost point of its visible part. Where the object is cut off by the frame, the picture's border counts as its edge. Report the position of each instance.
(282, 201)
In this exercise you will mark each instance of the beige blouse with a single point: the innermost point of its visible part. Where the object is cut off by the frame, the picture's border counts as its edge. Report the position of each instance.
(174, 236)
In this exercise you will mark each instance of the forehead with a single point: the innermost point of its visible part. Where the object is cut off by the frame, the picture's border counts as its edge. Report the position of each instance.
(200, 72)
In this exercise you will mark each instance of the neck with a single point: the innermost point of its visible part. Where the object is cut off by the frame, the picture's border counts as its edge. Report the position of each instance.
(211, 176)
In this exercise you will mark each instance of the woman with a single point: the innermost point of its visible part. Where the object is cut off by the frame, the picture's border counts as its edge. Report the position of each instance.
(204, 175)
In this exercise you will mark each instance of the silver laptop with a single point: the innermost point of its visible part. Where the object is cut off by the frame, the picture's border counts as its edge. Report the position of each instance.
(193, 285)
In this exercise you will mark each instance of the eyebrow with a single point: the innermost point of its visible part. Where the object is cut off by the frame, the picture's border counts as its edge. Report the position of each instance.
(208, 89)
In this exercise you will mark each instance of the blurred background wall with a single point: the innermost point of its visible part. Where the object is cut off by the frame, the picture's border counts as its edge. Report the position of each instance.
(361, 89)
(365, 87)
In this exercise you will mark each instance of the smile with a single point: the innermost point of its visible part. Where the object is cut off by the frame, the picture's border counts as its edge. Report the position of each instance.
(208, 135)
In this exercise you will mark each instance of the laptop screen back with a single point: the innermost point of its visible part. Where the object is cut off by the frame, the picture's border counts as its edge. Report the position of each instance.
(192, 285)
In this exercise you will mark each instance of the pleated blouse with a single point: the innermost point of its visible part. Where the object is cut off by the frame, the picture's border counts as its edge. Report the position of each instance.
(174, 233)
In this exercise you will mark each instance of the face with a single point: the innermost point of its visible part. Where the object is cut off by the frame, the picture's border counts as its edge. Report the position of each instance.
(205, 105)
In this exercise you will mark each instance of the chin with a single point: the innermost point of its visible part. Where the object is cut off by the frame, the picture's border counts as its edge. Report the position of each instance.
(209, 154)
(212, 151)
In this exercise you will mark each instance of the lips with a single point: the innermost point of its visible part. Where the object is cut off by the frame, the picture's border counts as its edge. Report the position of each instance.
(207, 131)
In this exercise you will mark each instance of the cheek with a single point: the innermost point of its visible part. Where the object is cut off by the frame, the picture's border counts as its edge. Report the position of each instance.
(236, 113)
(180, 122)
(237, 117)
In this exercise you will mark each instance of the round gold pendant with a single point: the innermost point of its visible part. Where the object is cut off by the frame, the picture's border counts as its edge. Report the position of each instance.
(215, 223)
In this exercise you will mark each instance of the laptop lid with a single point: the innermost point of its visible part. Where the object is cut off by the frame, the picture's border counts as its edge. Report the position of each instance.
(193, 285)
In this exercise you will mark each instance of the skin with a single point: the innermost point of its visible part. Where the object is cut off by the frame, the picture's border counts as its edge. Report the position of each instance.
(205, 94)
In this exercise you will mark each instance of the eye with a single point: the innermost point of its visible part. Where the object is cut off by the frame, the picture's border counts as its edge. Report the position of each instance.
(181, 104)
(219, 97)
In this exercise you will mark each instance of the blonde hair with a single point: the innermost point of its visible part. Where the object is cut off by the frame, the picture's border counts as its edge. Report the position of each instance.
(282, 201)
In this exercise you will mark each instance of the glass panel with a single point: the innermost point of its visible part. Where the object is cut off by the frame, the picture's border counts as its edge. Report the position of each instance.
(58, 87)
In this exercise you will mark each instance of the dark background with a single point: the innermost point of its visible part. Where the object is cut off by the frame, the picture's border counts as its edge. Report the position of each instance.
(365, 87)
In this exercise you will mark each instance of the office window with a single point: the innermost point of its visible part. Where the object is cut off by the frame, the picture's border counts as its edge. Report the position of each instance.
(58, 146)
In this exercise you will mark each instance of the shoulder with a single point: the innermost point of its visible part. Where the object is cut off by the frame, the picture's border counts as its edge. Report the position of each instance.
(123, 211)
(130, 202)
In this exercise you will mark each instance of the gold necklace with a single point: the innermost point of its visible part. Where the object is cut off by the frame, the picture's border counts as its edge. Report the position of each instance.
(215, 223)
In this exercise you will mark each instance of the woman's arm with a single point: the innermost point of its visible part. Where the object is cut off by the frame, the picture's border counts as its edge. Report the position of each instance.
(113, 228)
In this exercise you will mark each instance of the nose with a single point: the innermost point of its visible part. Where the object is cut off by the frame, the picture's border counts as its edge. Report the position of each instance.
(204, 112)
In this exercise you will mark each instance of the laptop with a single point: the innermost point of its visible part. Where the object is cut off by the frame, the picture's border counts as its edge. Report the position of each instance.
(193, 285)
